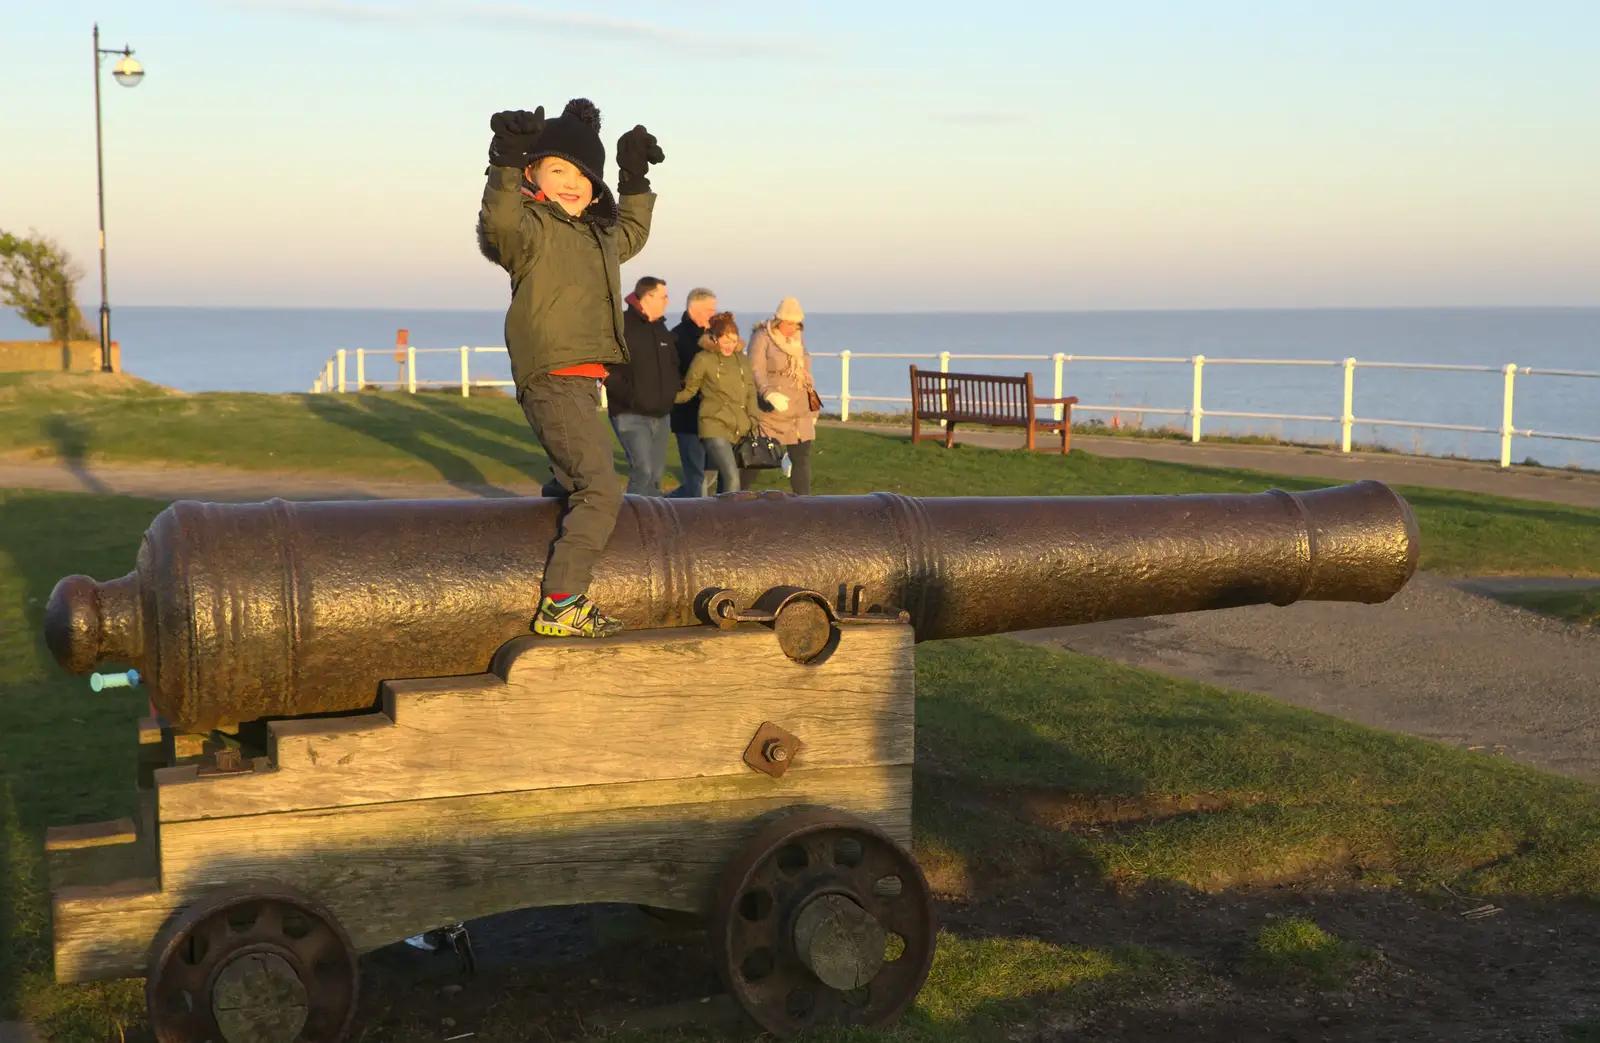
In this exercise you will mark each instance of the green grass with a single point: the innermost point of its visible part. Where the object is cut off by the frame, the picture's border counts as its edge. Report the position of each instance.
(984, 989)
(66, 754)
(1585, 1031)
(1294, 946)
(1142, 778)
(1029, 761)
(1569, 606)
(484, 440)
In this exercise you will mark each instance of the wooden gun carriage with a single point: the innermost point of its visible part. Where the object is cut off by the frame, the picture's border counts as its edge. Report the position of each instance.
(337, 770)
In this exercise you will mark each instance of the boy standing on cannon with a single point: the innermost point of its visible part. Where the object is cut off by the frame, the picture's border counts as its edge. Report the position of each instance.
(549, 219)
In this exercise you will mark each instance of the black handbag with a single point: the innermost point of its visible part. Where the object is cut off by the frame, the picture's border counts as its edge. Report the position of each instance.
(757, 452)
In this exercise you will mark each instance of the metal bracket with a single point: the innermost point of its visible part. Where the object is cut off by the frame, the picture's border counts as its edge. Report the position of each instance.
(456, 938)
(721, 607)
(772, 750)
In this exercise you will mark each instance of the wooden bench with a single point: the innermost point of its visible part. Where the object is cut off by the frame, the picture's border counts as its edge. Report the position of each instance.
(980, 398)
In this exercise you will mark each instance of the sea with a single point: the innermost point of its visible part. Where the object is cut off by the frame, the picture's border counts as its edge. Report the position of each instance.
(284, 350)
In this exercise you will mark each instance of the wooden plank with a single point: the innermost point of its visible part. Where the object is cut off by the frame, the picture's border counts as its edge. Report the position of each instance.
(388, 871)
(105, 931)
(650, 705)
(90, 834)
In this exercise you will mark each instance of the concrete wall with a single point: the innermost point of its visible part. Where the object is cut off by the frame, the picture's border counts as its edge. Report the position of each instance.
(49, 356)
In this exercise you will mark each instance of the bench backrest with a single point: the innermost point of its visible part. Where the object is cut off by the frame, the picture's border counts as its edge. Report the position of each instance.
(979, 398)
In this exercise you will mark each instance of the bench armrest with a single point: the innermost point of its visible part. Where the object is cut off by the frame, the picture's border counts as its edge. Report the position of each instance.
(1069, 400)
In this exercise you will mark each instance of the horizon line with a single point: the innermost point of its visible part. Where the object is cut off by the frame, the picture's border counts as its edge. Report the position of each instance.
(940, 311)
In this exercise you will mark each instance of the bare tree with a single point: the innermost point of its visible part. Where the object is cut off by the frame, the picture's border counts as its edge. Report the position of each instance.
(40, 280)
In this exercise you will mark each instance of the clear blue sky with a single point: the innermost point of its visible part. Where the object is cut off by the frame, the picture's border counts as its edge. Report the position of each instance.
(863, 156)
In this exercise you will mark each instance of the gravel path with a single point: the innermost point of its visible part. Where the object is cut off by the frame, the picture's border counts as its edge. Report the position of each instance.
(1436, 661)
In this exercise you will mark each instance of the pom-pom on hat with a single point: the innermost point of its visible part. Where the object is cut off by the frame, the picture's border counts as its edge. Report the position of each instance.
(575, 137)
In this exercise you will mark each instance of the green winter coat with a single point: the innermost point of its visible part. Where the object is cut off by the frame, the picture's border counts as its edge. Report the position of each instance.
(566, 283)
(727, 390)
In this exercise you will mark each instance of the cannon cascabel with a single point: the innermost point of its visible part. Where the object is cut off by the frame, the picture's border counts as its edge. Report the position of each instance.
(240, 611)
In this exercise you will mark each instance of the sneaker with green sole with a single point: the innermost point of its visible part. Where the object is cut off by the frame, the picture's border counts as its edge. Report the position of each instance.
(574, 617)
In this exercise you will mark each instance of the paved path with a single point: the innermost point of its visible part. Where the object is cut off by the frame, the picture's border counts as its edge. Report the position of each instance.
(1574, 488)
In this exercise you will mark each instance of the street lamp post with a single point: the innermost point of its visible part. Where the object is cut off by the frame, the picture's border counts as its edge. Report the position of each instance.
(128, 73)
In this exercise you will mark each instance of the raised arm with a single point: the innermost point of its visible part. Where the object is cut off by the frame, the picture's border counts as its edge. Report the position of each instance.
(508, 230)
(636, 150)
(633, 224)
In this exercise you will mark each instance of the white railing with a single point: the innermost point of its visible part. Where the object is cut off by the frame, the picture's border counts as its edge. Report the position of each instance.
(334, 373)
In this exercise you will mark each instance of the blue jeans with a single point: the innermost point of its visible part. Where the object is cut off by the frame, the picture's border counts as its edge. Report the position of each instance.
(720, 455)
(693, 455)
(644, 440)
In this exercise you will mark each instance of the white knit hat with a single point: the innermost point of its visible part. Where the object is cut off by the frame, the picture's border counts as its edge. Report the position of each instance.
(789, 311)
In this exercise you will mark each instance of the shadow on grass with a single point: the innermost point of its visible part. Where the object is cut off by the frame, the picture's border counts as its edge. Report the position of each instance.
(445, 435)
(511, 430)
(419, 431)
(71, 441)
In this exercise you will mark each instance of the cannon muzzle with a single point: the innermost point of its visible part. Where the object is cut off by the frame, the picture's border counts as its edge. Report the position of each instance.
(235, 612)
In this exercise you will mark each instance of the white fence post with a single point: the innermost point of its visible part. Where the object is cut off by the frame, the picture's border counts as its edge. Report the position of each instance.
(1196, 412)
(944, 367)
(411, 369)
(1505, 419)
(1060, 359)
(361, 368)
(466, 382)
(316, 386)
(327, 375)
(844, 385)
(341, 371)
(1349, 417)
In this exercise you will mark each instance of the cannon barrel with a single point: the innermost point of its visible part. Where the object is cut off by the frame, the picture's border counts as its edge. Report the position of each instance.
(240, 611)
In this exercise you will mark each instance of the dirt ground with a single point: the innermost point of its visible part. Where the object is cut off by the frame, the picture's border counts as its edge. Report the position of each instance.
(1430, 974)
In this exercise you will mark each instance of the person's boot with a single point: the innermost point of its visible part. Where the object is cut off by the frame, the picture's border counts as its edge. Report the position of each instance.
(573, 616)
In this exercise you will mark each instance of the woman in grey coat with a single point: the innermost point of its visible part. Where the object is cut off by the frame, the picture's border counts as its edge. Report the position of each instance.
(782, 369)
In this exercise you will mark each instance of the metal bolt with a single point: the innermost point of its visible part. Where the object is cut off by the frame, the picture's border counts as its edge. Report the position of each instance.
(774, 750)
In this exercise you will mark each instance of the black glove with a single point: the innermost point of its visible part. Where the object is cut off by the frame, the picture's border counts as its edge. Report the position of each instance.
(516, 134)
(636, 150)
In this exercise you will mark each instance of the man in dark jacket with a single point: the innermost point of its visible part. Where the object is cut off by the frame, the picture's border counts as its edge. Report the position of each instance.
(697, 312)
(639, 392)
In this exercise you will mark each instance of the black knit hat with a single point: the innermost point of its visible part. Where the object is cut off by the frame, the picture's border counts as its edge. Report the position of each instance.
(575, 137)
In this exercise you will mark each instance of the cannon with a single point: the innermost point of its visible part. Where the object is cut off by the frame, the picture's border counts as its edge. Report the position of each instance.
(354, 737)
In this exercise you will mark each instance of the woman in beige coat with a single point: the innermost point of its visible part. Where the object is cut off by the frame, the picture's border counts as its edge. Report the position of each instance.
(782, 369)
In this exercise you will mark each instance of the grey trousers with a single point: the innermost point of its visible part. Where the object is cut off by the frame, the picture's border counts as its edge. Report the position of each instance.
(564, 413)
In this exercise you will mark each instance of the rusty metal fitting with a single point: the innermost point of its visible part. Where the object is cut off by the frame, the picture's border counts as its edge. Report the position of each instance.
(772, 750)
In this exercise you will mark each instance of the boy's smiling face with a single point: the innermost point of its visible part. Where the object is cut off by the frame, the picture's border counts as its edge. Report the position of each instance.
(563, 182)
